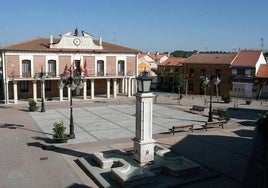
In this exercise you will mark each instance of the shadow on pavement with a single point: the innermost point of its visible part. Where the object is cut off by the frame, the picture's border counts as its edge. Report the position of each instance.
(57, 149)
(76, 185)
(227, 155)
(15, 126)
(242, 113)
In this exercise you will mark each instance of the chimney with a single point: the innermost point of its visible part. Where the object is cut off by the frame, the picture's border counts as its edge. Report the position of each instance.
(51, 41)
(100, 41)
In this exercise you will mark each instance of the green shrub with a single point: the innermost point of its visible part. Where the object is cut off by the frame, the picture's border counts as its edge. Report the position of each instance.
(32, 105)
(223, 114)
(226, 97)
(59, 130)
(248, 101)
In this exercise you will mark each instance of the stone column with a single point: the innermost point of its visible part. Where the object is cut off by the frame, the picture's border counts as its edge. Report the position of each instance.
(15, 88)
(108, 88)
(129, 87)
(143, 142)
(43, 90)
(85, 89)
(6, 93)
(114, 88)
(92, 88)
(61, 94)
(35, 90)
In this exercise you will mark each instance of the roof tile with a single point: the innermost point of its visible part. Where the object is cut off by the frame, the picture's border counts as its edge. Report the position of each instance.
(247, 58)
(42, 44)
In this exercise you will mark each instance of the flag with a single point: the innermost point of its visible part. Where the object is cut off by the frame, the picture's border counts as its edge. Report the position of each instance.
(85, 68)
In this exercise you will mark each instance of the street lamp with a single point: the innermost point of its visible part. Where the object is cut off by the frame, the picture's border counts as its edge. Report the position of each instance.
(144, 82)
(143, 142)
(42, 77)
(73, 83)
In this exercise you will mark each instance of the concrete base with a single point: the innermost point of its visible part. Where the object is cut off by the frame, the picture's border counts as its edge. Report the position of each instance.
(118, 168)
(144, 151)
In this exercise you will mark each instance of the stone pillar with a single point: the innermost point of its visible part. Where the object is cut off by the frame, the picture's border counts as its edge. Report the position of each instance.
(15, 88)
(43, 90)
(114, 88)
(108, 88)
(85, 89)
(6, 93)
(61, 94)
(129, 87)
(34, 91)
(143, 142)
(92, 88)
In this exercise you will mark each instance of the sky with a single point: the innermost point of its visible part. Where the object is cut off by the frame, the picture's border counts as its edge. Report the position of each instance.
(146, 25)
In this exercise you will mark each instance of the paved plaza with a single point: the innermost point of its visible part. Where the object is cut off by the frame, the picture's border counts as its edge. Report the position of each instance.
(102, 123)
(29, 160)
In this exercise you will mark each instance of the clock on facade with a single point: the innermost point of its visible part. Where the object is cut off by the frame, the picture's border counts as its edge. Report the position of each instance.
(76, 41)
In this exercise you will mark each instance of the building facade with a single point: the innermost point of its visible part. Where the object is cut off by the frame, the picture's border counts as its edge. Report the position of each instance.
(168, 73)
(244, 69)
(202, 66)
(102, 68)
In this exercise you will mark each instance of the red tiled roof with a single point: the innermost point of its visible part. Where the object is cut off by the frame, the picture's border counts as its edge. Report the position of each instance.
(247, 58)
(173, 61)
(263, 71)
(157, 56)
(42, 44)
(207, 58)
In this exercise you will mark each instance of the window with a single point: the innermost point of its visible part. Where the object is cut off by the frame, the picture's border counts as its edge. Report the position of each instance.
(238, 87)
(218, 73)
(241, 72)
(191, 87)
(48, 85)
(100, 67)
(51, 65)
(203, 72)
(191, 73)
(77, 68)
(24, 86)
(121, 67)
(26, 68)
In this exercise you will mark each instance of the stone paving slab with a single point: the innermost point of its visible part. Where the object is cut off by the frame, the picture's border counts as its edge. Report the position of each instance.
(112, 122)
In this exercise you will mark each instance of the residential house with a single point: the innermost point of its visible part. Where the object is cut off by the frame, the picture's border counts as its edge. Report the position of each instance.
(104, 68)
(215, 66)
(262, 81)
(169, 72)
(244, 69)
(150, 60)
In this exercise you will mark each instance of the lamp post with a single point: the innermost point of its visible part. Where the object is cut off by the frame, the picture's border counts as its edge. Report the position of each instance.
(70, 82)
(42, 77)
(143, 141)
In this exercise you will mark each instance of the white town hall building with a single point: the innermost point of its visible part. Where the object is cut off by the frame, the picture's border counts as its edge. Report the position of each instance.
(103, 68)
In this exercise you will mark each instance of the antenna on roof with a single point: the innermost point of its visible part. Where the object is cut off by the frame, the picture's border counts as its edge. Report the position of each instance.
(262, 44)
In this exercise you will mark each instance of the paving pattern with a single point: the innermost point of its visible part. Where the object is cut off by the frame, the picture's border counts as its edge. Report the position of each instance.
(112, 122)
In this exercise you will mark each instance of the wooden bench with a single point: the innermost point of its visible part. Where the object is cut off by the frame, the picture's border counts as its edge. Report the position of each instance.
(214, 123)
(197, 108)
(181, 127)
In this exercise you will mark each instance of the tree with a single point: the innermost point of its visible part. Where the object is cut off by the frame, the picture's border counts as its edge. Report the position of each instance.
(180, 84)
(181, 53)
(261, 84)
